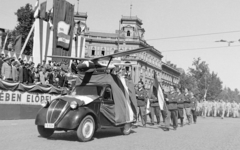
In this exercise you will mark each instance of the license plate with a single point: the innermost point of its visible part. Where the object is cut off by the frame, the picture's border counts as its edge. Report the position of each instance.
(49, 125)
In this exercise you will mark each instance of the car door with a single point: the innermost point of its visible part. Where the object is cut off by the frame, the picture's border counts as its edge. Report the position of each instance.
(107, 108)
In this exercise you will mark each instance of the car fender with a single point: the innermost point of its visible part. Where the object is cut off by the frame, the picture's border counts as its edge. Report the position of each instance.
(41, 116)
(73, 118)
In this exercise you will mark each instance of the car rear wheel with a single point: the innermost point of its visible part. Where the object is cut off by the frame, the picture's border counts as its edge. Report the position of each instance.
(45, 132)
(86, 129)
(126, 130)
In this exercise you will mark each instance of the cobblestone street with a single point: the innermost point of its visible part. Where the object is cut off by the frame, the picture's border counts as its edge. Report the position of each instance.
(209, 133)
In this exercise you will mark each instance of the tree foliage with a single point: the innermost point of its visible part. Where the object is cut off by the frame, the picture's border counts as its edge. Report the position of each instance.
(25, 21)
(201, 81)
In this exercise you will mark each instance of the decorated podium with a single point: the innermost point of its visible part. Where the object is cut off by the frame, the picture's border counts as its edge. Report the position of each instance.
(21, 101)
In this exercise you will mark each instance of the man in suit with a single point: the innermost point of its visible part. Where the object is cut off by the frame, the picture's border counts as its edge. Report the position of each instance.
(62, 78)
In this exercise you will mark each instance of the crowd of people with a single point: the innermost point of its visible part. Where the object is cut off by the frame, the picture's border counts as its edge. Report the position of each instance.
(51, 73)
(180, 103)
(219, 109)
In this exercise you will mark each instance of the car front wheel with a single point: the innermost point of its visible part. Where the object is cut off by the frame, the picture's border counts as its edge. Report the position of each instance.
(45, 132)
(86, 129)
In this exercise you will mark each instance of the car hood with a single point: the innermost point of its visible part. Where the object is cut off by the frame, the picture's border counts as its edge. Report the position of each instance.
(80, 99)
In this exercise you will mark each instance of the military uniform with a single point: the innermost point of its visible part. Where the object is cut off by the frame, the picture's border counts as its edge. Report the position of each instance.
(194, 105)
(222, 109)
(187, 106)
(141, 96)
(180, 105)
(235, 110)
(154, 108)
(172, 110)
(215, 107)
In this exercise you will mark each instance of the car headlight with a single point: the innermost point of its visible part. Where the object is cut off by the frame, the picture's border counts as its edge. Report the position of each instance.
(44, 103)
(73, 104)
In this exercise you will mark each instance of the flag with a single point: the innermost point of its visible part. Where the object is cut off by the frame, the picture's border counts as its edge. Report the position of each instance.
(157, 91)
(50, 21)
(36, 9)
(17, 45)
(5, 42)
(43, 9)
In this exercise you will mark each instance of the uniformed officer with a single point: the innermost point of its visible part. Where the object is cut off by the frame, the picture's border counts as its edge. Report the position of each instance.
(187, 105)
(235, 110)
(194, 105)
(180, 105)
(172, 109)
(222, 108)
(141, 96)
(228, 108)
(154, 108)
(204, 107)
(215, 107)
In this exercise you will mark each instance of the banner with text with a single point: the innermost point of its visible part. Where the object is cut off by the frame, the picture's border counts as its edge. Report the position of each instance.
(16, 97)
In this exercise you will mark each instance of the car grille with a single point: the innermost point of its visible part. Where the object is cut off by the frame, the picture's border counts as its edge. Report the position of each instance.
(56, 110)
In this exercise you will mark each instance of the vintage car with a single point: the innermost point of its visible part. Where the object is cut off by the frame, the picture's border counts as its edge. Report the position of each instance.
(97, 102)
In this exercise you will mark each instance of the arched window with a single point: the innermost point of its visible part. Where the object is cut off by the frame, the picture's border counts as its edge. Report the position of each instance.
(103, 52)
(93, 51)
(128, 33)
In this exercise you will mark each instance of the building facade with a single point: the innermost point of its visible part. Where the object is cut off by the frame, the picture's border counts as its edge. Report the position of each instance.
(130, 35)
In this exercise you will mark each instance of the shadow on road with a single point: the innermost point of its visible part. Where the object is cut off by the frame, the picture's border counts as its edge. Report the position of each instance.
(72, 135)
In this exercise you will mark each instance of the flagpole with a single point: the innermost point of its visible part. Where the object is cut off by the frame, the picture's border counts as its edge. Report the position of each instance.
(27, 39)
(5, 42)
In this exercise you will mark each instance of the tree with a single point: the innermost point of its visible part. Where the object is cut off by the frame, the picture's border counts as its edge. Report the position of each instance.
(25, 21)
(200, 71)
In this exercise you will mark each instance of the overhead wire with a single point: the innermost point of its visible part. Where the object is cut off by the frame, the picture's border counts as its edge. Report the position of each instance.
(191, 49)
(194, 35)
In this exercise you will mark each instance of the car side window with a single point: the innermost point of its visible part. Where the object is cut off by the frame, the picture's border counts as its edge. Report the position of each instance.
(107, 97)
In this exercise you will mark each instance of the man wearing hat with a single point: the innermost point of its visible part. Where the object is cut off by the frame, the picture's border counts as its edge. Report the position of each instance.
(7, 69)
(25, 73)
(62, 78)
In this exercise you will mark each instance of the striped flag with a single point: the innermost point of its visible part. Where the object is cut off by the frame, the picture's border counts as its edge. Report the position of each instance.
(36, 9)
(157, 91)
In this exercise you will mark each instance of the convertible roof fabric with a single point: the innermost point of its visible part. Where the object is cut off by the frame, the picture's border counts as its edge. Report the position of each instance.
(124, 110)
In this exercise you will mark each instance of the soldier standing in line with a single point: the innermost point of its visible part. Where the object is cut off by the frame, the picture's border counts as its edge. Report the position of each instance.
(180, 105)
(215, 105)
(209, 109)
(194, 105)
(205, 104)
(235, 110)
(199, 108)
(172, 109)
(154, 108)
(228, 108)
(187, 106)
(222, 108)
(141, 96)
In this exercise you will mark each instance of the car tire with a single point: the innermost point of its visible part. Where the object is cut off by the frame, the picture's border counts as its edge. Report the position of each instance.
(126, 130)
(46, 133)
(86, 129)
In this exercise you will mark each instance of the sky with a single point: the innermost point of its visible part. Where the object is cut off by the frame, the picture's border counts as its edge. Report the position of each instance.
(163, 19)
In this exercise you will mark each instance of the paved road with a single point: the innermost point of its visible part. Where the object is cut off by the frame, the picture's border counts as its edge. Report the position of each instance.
(207, 134)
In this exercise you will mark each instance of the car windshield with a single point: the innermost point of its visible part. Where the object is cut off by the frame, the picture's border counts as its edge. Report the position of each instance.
(87, 90)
